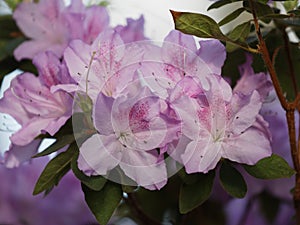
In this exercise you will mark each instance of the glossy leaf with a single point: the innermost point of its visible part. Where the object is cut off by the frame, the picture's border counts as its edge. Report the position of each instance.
(95, 183)
(104, 202)
(57, 145)
(197, 24)
(261, 10)
(193, 195)
(54, 171)
(272, 167)
(239, 33)
(221, 3)
(231, 16)
(232, 181)
(204, 27)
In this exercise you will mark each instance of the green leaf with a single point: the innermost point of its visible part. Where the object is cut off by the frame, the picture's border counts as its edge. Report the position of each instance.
(204, 27)
(231, 16)
(261, 10)
(232, 181)
(6, 66)
(240, 34)
(12, 3)
(197, 24)
(272, 167)
(290, 5)
(269, 206)
(104, 3)
(282, 66)
(9, 28)
(221, 3)
(7, 47)
(27, 65)
(95, 183)
(54, 171)
(59, 144)
(104, 202)
(193, 195)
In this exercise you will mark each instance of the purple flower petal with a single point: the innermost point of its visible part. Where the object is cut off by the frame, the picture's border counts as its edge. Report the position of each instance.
(100, 154)
(16, 155)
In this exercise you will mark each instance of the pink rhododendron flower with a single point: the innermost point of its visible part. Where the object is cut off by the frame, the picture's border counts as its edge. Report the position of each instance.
(31, 103)
(20, 154)
(250, 81)
(51, 25)
(130, 128)
(107, 65)
(179, 57)
(227, 127)
(133, 31)
(274, 114)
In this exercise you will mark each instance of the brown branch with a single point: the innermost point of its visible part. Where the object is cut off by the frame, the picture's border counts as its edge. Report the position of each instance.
(266, 57)
(289, 107)
(290, 116)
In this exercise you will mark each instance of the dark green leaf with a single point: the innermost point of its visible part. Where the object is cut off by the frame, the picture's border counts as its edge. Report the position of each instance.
(7, 47)
(221, 3)
(277, 16)
(27, 66)
(197, 24)
(239, 33)
(7, 66)
(57, 145)
(272, 167)
(95, 183)
(188, 178)
(232, 181)
(204, 27)
(269, 206)
(231, 16)
(296, 12)
(261, 10)
(9, 28)
(104, 202)
(54, 171)
(193, 195)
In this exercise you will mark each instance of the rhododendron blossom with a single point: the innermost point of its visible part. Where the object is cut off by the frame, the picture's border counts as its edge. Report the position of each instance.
(31, 103)
(51, 25)
(130, 130)
(147, 100)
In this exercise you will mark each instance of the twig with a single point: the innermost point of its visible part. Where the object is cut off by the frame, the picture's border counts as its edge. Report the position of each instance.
(289, 107)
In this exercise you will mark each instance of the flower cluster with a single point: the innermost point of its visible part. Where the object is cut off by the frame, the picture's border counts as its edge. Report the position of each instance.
(151, 106)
